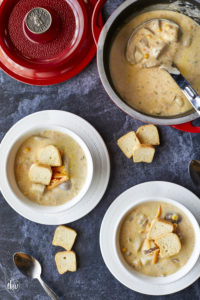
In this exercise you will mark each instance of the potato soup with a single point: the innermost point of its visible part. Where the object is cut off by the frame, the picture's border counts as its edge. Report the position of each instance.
(67, 179)
(152, 90)
(142, 251)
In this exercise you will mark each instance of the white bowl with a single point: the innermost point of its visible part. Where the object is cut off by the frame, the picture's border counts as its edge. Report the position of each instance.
(8, 170)
(157, 280)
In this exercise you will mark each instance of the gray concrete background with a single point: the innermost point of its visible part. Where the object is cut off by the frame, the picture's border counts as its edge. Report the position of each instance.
(84, 96)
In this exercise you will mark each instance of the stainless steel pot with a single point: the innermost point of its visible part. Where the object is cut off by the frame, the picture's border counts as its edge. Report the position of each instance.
(104, 38)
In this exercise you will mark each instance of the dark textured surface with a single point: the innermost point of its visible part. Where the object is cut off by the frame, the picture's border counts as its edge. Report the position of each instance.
(85, 96)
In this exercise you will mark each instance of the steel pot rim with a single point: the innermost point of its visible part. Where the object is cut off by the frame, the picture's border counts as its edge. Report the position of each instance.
(113, 95)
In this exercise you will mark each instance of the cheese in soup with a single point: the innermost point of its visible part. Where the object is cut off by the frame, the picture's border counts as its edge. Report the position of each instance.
(139, 248)
(151, 90)
(73, 169)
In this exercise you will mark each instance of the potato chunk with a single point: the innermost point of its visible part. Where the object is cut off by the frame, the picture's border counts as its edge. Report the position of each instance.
(154, 26)
(170, 31)
(138, 56)
(157, 46)
(138, 40)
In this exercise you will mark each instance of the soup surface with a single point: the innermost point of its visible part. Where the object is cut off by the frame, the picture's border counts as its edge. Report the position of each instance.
(152, 90)
(73, 158)
(133, 239)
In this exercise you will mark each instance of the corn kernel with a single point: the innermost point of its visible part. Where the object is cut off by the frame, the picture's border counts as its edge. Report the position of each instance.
(159, 29)
(124, 249)
(27, 149)
(174, 217)
(146, 56)
(149, 36)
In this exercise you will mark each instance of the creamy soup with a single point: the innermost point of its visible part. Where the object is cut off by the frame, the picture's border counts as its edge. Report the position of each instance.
(73, 158)
(151, 90)
(133, 238)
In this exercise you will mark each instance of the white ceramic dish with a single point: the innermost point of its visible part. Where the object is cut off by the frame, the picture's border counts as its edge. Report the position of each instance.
(12, 149)
(158, 191)
(158, 280)
(89, 140)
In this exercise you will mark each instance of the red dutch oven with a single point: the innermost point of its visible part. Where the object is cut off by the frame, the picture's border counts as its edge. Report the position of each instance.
(104, 38)
(43, 42)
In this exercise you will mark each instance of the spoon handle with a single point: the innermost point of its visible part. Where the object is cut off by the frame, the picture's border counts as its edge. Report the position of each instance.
(188, 91)
(47, 289)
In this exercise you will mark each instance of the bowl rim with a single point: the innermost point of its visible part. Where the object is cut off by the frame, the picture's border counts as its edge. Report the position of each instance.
(111, 92)
(100, 156)
(28, 133)
(184, 270)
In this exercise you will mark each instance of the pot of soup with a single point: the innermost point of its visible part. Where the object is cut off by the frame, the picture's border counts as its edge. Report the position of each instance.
(130, 69)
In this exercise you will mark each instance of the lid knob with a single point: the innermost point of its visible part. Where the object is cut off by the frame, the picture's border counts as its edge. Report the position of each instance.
(38, 20)
(41, 24)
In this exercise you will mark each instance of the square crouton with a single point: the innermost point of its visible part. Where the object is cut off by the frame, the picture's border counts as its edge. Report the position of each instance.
(148, 134)
(128, 143)
(64, 237)
(66, 261)
(39, 173)
(169, 245)
(143, 153)
(50, 155)
(159, 228)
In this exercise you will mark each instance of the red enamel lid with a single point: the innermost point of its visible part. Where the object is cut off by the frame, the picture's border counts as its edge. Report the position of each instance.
(44, 42)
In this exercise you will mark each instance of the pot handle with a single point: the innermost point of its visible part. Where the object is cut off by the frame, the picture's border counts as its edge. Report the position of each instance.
(96, 20)
(187, 127)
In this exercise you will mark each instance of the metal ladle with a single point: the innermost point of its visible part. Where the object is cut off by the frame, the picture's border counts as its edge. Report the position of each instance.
(30, 267)
(183, 84)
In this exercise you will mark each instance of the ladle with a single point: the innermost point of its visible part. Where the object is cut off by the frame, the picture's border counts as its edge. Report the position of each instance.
(183, 84)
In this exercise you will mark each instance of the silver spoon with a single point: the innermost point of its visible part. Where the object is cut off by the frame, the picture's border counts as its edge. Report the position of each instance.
(194, 171)
(183, 84)
(30, 267)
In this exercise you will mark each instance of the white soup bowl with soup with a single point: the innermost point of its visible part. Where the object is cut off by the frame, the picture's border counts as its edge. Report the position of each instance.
(155, 274)
(16, 192)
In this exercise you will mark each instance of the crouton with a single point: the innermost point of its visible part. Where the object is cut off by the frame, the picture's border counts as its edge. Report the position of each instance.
(148, 134)
(64, 237)
(159, 228)
(38, 188)
(169, 245)
(40, 174)
(66, 261)
(127, 143)
(50, 155)
(143, 153)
